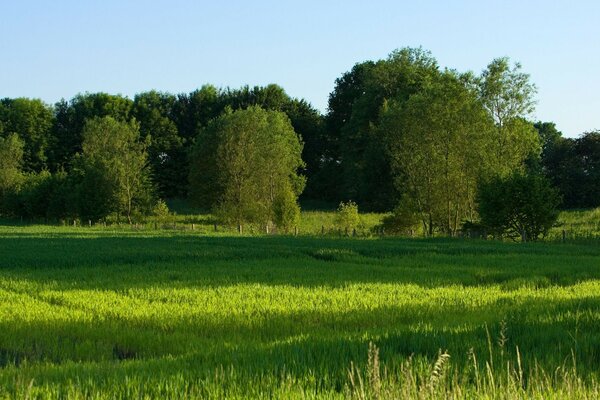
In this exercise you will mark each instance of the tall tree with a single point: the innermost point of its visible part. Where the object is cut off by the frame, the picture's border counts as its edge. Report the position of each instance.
(508, 95)
(366, 169)
(438, 141)
(71, 118)
(32, 120)
(11, 159)
(114, 150)
(245, 163)
(166, 152)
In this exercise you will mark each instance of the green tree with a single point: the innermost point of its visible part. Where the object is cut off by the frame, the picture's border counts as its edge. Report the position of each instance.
(166, 153)
(508, 95)
(438, 143)
(519, 206)
(243, 161)
(114, 150)
(11, 159)
(71, 118)
(32, 120)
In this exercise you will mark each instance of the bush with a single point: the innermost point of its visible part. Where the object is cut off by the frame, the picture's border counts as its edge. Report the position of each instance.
(403, 220)
(347, 217)
(520, 205)
(286, 212)
(161, 212)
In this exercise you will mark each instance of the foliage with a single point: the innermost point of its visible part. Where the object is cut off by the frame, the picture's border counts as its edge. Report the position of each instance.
(113, 151)
(520, 205)
(71, 118)
(286, 211)
(403, 220)
(31, 120)
(166, 152)
(161, 212)
(508, 95)
(347, 216)
(243, 161)
(439, 141)
(350, 152)
(573, 166)
(11, 158)
(367, 174)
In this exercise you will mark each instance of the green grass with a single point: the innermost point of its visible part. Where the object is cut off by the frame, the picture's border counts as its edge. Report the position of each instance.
(121, 313)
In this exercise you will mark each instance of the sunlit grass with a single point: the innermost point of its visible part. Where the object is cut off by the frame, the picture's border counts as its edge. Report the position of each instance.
(121, 312)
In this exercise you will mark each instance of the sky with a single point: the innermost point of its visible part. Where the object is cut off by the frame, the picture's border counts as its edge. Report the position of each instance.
(56, 49)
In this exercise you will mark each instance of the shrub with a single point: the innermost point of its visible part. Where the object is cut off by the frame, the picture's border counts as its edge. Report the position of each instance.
(403, 219)
(519, 205)
(161, 212)
(347, 217)
(286, 212)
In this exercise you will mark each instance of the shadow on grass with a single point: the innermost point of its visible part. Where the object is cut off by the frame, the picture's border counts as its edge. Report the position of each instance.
(133, 261)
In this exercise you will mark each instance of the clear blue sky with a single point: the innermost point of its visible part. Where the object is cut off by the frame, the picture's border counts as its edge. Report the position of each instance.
(55, 49)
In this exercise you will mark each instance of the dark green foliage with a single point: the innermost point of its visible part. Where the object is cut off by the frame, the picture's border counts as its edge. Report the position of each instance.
(71, 117)
(31, 120)
(573, 166)
(366, 167)
(166, 153)
(403, 220)
(518, 206)
(11, 159)
(346, 153)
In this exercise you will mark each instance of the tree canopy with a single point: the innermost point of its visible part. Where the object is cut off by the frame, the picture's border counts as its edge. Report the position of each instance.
(399, 134)
(246, 162)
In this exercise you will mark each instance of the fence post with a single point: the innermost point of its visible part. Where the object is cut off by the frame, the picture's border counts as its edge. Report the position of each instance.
(193, 226)
(240, 229)
(295, 231)
(564, 236)
(215, 227)
(267, 228)
(322, 229)
(74, 223)
(354, 232)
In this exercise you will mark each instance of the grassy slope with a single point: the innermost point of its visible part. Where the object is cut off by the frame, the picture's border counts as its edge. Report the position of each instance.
(128, 313)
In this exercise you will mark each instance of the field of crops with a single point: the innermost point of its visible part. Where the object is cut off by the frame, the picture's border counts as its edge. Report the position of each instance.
(134, 313)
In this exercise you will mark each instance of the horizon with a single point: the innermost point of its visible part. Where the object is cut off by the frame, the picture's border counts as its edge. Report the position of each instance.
(177, 47)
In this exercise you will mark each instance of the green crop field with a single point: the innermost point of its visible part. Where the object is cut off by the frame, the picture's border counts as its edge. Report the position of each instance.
(143, 313)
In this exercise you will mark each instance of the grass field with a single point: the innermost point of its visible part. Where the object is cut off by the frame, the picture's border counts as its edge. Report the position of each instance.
(125, 313)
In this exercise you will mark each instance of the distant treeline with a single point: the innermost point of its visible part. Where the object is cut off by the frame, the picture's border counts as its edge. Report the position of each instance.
(398, 132)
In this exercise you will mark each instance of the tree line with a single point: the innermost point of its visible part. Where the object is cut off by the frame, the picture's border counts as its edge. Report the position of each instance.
(401, 134)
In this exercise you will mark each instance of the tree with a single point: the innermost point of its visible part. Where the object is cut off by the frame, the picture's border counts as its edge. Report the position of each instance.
(32, 120)
(573, 166)
(367, 174)
(11, 158)
(243, 161)
(508, 95)
(438, 143)
(166, 153)
(113, 151)
(520, 205)
(71, 118)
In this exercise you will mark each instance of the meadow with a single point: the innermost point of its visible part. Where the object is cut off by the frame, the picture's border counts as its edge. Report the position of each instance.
(122, 312)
